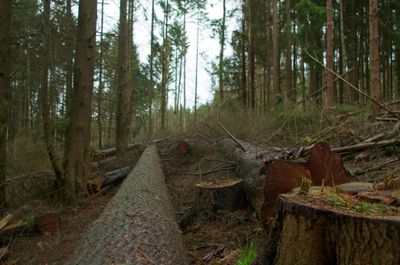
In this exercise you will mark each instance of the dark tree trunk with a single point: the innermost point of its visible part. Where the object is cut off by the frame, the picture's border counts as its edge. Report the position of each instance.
(138, 225)
(5, 97)
(77, 153)
(123, 95)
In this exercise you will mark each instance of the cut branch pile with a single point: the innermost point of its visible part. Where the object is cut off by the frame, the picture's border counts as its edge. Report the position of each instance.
(138, 225)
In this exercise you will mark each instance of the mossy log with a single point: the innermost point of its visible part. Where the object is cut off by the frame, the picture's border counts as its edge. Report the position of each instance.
(138, 225)
(305, 233)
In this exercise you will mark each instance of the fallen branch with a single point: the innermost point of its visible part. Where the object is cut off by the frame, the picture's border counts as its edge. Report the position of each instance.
(376, 168)
(362, 146)
(351, 85)
(232, 137)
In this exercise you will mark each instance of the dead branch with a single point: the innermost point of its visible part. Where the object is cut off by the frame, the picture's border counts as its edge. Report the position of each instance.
(362, 146)
(376, 168)
(232, 137)
(351, 85)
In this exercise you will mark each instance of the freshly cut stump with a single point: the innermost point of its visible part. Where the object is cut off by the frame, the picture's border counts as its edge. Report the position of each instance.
(222, 194)
(138, 226)
(305, 234)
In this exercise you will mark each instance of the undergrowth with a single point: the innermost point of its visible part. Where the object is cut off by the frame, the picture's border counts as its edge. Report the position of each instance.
(247, 256)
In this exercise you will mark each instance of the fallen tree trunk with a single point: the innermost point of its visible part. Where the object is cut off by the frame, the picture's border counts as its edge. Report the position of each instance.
(304, 233)
(251, 167)
(108, 180)
(102, 154)
(138, 226)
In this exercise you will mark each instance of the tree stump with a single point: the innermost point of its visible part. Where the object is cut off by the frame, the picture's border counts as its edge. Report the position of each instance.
(305, 233)
(138, 225)
(222, 194)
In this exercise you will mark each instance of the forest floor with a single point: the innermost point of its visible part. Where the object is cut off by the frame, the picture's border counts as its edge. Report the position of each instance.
(211, 237)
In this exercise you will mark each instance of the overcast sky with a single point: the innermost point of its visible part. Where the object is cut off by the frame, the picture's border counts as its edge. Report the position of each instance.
(208, 48)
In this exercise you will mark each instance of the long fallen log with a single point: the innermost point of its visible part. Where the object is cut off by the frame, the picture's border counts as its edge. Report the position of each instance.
(138, 225)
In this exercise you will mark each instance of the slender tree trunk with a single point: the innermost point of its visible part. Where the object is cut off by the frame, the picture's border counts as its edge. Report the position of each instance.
(196, 82)
(288, 61)
(251, 57)
(330, 96)
(343, 57)
(243, 65)
(276, 54)
(221, 53)
(5, 96)
(45, 99)
(165, 57)
(123, 95)
(100, 91)
(69, 67)
(374, 53)
(77, 151)
(151, 88)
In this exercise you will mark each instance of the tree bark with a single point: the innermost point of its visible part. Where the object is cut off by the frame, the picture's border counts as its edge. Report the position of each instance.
(123, 95)
(221, 53)
(77, 152)
(332, 237)
(45, 98)
(276, 54)
(5, 97)
(288, 63)
(251, 57)
(330, 95)
(138, 225)
(374, 53)
(250, 167)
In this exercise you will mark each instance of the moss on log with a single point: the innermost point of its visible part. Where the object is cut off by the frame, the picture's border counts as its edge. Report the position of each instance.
(304, 234)
(138, 226)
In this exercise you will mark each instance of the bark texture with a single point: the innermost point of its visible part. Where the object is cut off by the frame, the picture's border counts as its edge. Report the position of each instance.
(251, 167)
(5, 47)
(332, 237)
(77, 151)
(138, 226)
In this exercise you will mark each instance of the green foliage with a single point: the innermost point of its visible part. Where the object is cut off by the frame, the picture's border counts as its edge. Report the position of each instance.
(247, 256)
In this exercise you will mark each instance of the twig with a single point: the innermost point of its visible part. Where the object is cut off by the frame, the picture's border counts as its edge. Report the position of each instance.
(387, 119)
(362, 146)
(232, 137)
(376, 168)
(208, 172)
(351, 85)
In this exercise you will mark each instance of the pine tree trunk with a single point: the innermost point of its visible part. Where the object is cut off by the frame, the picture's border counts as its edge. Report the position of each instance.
(374, 53)
(221, 53)
(100, 89)
(77, 152)
(276, 54)
(123, 95)
(251, 57)
(288, 62)
(5, 97)
(45, 98)
(330, 96)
